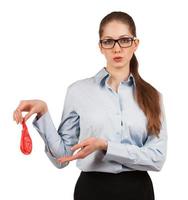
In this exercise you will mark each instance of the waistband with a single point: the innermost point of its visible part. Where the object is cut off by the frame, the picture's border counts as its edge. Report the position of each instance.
(120, 174)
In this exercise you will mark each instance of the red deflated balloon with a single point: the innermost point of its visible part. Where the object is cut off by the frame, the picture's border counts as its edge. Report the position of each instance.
(26, 142)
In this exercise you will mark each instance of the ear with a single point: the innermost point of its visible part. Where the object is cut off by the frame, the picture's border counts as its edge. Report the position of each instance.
(136, 44)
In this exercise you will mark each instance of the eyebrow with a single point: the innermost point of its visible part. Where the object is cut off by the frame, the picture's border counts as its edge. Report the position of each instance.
(106, 37)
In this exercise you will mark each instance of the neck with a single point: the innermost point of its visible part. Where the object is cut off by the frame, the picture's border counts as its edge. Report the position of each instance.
(118, 74)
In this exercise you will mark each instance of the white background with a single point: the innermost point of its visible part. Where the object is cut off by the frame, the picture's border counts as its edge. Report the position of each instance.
(47, 45)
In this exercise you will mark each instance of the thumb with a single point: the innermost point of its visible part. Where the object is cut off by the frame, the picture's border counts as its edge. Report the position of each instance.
(28, 115)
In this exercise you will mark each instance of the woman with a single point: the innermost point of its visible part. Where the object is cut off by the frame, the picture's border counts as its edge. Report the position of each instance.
(115, 119)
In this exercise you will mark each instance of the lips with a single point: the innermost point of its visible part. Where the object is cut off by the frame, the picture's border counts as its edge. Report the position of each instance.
(118, 59)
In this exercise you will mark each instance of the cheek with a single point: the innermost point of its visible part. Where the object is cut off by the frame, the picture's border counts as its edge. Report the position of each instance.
(128, 53)
(108, 55)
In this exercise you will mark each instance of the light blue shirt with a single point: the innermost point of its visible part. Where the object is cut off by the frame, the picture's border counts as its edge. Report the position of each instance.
(92, 108)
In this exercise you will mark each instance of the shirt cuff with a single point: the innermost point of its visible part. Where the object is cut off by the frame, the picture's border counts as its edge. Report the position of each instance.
(114, 151)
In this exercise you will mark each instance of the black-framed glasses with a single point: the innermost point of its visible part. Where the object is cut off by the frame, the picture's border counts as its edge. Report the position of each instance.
(123, 42)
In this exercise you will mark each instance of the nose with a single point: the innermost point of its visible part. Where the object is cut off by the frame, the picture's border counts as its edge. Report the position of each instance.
(117, 47)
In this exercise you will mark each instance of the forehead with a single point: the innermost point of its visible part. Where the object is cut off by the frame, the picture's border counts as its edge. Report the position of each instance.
(115, 29)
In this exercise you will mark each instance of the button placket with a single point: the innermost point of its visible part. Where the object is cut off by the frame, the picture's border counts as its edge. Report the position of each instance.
(122, 115)
(119, 115)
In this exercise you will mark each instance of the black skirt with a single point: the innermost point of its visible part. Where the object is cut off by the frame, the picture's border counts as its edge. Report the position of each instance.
(131, 185)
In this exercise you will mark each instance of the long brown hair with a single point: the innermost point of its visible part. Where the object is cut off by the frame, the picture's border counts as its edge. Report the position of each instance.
(147, 97)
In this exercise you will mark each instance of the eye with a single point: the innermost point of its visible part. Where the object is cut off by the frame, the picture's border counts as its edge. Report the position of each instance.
(125, 40)
(108, 42)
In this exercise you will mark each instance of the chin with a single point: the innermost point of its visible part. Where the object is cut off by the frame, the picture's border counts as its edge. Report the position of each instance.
(118, 65)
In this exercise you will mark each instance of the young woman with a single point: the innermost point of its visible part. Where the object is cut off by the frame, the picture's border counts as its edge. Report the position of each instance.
(115, 121)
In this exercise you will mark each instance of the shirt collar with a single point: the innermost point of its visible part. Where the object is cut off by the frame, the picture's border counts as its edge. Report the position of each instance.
(101, 76)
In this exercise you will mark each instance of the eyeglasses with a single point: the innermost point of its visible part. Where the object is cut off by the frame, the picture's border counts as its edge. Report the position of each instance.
(124, 42)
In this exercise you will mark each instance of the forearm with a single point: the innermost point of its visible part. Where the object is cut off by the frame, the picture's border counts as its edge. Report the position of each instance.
(143, 158)
(49, 134)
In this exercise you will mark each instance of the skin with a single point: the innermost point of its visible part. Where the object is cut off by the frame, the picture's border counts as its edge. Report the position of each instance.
(118, 71)
(39, 107)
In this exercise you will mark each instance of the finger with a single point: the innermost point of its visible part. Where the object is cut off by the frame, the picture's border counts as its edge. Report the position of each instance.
(19, 113)
(65, 159)
(77, 146)
(28, 115)
(79, 154)
(15, 117)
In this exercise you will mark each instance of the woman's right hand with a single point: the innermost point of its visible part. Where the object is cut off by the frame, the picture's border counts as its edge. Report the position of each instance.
(31, 106)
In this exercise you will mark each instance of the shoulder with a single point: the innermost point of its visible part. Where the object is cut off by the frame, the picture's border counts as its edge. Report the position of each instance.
(81, 85)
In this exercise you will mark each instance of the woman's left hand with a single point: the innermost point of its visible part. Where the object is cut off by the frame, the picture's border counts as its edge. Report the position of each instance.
(87, 146)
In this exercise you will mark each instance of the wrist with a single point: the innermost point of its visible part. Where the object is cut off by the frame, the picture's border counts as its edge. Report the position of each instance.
(39, 114)
(104, 144)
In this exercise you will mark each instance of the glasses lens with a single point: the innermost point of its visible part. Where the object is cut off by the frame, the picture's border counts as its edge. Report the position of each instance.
(125, 42)
(108, 43)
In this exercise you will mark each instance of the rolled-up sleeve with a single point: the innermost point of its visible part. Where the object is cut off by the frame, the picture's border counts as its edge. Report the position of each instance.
(151, 156)
(58, 142)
